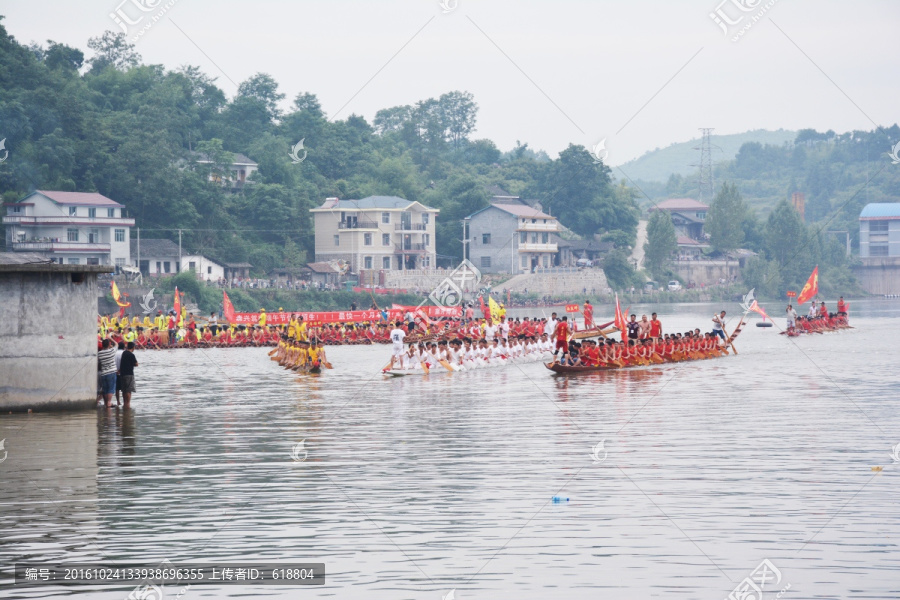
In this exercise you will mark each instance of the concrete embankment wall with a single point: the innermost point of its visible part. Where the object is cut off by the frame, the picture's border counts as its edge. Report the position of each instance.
(879, 275)
(48, 340)
(706, 272)
(558, 284)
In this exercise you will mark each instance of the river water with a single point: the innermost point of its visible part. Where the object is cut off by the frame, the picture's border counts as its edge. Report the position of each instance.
(416, 486)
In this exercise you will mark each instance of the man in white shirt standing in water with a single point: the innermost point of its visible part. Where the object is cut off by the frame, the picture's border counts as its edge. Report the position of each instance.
(397, 335)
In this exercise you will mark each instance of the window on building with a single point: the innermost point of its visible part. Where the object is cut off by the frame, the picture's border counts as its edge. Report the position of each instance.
(92, 212)
(523, 237)
(485, 261)
(72, 236)
(367, 239)
(546, 261)
(425, 217)
(878, 249)
(524, 261)
(158, 267)
(209, 270)
(73, 210)
(167, 267)
(386, 262)
(120, 235)
(878, 226)
(385, 239)
(486, 239)
(701, 215)
(534, 238)
(535, 221)
(15, 209)
(120, 262)
(545, 238)
(385, 217)
(192, 265)
(426, 238)
(367, 261)
(110, 212)
(74, 261)
(337, 240)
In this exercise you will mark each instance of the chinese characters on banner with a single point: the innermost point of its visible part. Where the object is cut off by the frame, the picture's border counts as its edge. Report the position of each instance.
(348, 316)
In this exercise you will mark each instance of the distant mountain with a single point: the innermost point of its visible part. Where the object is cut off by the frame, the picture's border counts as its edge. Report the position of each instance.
(657, 165)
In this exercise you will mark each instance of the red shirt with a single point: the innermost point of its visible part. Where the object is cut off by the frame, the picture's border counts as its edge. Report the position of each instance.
(655, 327)
(562, 330)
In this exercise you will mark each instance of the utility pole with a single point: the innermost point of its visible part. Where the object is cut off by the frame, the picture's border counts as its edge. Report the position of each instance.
(465, 239)
(179, 251)
(139, 249)
(705, 181)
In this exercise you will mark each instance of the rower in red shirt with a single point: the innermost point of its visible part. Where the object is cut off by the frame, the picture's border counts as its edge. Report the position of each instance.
(655, 327)
(562, 337)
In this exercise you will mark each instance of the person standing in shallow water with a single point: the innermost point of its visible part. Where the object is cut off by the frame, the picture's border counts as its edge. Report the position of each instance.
(126, 372)
(107, 369)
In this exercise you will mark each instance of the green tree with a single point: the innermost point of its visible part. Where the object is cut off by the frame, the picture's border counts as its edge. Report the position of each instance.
(579, 193)
(618, 269)
(112, 50)
(661, 243)
(724, 221)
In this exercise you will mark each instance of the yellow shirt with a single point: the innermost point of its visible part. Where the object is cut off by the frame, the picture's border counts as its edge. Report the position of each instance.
(301, 331)
(262, 319)
(292, 328)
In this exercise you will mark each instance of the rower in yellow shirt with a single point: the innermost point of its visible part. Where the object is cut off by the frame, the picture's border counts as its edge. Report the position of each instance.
(262, 317)
(301, 330)
(292, 328)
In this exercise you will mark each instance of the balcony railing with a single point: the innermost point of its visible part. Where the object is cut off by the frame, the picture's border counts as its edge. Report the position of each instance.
(411, 227)
(532, 247)
(404, 248)
(357, 225)
(59, 246)
(552, 226)
(72, 220)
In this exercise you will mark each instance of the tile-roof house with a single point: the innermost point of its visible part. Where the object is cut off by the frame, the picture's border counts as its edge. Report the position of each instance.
(688, 215)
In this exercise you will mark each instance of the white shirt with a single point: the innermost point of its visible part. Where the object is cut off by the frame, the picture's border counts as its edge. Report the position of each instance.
(550, 326)
(397, 336)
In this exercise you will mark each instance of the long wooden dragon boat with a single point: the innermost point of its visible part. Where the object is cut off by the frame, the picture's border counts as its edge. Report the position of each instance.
(576, 370)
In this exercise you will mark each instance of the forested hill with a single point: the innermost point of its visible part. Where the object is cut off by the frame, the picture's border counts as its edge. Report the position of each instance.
(109, 123)
(677, 159)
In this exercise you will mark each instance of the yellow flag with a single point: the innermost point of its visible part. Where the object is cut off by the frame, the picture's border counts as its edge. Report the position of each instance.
(495, 310)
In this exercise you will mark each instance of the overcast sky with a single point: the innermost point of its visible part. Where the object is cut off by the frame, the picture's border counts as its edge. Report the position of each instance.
(641, 74)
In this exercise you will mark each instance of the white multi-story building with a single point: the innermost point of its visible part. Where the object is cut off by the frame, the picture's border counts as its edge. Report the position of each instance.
(376, 233)
(74, 228)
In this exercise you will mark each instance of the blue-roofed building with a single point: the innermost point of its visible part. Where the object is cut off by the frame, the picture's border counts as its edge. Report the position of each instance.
(377, 233)
(878, 270)
(879, 230)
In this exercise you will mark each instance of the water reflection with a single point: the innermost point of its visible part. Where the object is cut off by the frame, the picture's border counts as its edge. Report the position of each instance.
(413, 485)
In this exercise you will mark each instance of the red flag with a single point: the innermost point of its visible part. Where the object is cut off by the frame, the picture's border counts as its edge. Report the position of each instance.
(227, 307)
(484, 309)
(176, 306)
(811, 289)
(619, 321)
